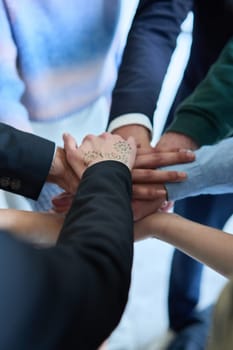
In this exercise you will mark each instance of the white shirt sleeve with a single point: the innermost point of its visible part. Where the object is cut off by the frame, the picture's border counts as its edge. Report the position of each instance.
(129, 119)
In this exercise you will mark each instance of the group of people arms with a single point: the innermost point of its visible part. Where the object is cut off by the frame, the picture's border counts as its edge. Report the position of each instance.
(90, 248)
(82, 279)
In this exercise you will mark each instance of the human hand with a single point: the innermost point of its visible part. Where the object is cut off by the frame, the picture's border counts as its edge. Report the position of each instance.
(175, 141)
(95, 149)
(148, 182)
(141, 208)
(61, 173)
(62, 202)
(138, 132)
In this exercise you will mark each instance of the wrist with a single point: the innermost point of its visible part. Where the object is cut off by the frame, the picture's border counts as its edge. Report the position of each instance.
(173, 141)
(184, 140)
(8, 219)
(52, 177)
(55, 174)
(140, 133)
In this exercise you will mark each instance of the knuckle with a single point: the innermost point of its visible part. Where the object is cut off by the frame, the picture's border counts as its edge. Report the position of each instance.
(149, 174)
(182, 156)
(150, 192)
(105, 135)
(158, 158)
(89, 137)
(172, 175)
(72, 155)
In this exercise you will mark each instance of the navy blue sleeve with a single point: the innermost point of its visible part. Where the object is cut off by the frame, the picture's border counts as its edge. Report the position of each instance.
(151, 42)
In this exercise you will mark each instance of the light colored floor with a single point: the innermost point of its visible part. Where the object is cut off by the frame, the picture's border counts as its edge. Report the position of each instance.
(145, 317)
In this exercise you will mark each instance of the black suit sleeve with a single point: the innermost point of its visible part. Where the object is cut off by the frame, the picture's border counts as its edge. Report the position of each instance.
(72, 296)
(25, 160)
(150, 44)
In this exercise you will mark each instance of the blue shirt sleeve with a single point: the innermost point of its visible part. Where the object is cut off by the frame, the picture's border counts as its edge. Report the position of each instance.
(210, 173)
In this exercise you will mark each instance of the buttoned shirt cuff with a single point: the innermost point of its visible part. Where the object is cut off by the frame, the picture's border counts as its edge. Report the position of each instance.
(129, 119)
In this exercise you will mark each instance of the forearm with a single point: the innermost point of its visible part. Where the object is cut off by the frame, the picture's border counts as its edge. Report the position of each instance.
(150, 44)
(25, 161)
(34, 227)
(210, 173)
(208, 245)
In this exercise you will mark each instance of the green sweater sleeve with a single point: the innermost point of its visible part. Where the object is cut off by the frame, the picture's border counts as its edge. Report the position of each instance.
(207, 114)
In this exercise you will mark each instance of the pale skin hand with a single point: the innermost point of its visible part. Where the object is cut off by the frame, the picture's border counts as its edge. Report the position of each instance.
(61, 173)
(208, 245)
(95, 149)
(44, 228)
(148, 180)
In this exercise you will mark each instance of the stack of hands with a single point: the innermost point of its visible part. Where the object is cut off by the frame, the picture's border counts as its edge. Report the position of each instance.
(149, 191)
(70, 162)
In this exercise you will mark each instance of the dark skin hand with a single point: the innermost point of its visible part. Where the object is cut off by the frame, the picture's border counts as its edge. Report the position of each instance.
(148, 180)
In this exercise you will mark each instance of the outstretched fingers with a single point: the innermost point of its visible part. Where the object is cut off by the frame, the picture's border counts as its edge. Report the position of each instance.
(157, 176)
(158, 159)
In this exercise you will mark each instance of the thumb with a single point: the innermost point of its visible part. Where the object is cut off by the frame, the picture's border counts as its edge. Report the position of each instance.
(131, 141)
(69, 142)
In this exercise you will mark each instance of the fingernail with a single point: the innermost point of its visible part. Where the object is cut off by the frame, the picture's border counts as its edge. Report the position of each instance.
(161, 192)
(165, 203)
(182, 174)
(186, 150)
(63, 195)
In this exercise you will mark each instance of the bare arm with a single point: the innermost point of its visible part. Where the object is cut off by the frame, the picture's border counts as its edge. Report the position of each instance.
(208, 245)
(35, 227)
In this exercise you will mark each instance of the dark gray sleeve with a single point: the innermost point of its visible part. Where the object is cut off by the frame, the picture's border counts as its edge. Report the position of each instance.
(73, 295)
(25, 161)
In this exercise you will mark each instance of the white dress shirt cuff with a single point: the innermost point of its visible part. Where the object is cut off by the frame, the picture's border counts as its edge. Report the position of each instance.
(129, 119)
